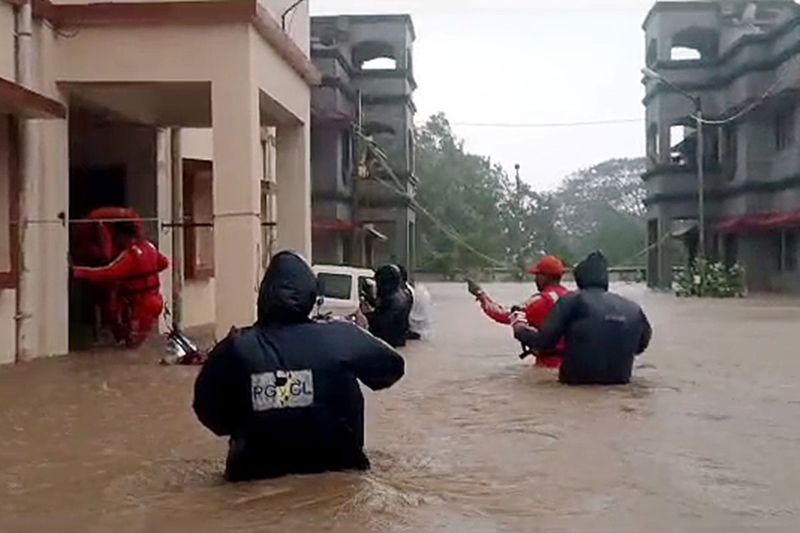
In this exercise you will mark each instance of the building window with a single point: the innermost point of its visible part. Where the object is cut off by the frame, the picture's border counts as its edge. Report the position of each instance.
(652, 144)
(8, 193)
(684, 53)
(198, 207)
(784, 127)
(374, 55)
(788, 251)
(695, 43)
(269, 202)
(681, 150)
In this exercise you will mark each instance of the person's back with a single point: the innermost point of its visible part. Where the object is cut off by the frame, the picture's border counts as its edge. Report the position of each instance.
(389, 319)
(286, 390)
(604, 331)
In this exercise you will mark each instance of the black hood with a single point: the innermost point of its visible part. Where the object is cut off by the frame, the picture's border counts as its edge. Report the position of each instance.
(592, 272)
(388, 280)
(403, 273)
(288, 292)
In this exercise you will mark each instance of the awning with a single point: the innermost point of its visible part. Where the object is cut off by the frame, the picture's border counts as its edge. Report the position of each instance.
(22, 102)
(685, 230)
(756, 223)
(374, 233)
(335, 225)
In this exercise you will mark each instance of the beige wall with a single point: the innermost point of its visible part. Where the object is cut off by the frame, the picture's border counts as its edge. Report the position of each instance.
(197, 143)
(198, 303)
(278, 79)
(7, 69)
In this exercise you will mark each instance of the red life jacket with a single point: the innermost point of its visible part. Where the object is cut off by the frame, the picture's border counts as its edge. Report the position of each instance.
(136, 269)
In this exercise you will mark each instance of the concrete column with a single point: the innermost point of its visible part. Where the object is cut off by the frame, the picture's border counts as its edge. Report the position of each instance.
(49, 263)
(163, 171)
(294, 189)
(665, 253)
(237, 226)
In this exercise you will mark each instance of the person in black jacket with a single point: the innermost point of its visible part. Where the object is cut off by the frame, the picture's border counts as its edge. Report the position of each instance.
(408, 289)
(285, 390)
(389, 319)
(603, 331)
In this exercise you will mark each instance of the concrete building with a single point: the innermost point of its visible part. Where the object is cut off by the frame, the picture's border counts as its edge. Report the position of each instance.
(742, 60)
(173, 108)
(368, 82)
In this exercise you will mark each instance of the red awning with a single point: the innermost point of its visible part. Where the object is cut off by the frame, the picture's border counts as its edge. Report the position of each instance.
(22, 102)
(755, 223)
(334, 225)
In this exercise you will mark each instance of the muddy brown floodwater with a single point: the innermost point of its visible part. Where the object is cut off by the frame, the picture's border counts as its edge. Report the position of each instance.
(472, 440)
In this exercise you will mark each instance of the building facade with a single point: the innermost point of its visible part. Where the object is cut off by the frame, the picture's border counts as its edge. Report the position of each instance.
(170, 108)
(741, 60)
(365, 218)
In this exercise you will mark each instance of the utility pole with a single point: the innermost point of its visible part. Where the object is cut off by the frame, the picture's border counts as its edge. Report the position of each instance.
(701, 188)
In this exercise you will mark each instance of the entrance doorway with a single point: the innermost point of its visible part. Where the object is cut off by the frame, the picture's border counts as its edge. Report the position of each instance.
(112, 165)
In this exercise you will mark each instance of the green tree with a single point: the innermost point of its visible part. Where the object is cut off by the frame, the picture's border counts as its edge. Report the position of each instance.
(469, 195)
(602, 208)
(465, 192)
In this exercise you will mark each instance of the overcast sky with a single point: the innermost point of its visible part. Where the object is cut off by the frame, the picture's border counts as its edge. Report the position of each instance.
(527, 61)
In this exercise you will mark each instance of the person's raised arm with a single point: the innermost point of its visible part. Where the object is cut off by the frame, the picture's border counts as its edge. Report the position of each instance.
(490, 308)
(376, 364)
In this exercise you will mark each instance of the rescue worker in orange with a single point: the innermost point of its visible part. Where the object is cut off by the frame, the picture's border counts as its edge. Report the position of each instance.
(548, 273)
(135, 271)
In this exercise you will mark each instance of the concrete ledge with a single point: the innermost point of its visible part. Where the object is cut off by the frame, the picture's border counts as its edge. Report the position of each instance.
(171, 13)
(22, 102)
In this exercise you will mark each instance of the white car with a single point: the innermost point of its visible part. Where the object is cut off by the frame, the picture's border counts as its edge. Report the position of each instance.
(341, 287)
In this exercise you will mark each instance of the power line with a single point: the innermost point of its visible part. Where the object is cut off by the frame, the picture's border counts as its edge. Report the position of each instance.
(396, 186)
(542, 125)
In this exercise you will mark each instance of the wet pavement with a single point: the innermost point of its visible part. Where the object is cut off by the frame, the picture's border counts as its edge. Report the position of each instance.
(472, 440)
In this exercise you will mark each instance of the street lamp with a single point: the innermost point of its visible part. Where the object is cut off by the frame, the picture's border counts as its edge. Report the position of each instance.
(701, 189)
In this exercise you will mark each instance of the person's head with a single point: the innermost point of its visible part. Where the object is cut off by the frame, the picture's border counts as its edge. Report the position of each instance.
(592, 272)
(388, 279)
(125, 234)
(548, 272)
(288, 291)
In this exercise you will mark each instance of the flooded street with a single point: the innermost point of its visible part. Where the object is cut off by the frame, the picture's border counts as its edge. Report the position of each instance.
(472, 439)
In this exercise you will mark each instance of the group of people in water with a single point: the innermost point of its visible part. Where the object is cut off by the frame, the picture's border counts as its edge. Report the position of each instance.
(286, 393)
(394, 309)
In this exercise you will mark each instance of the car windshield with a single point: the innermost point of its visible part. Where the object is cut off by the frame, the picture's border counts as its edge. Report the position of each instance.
(337, 286)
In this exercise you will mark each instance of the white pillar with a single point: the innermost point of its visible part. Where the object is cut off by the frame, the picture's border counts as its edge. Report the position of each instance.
(294, 189)
(237, 225)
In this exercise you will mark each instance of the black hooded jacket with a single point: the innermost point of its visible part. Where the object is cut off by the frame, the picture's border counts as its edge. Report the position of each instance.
(286, 389)
(603, 331)
(389, 320)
